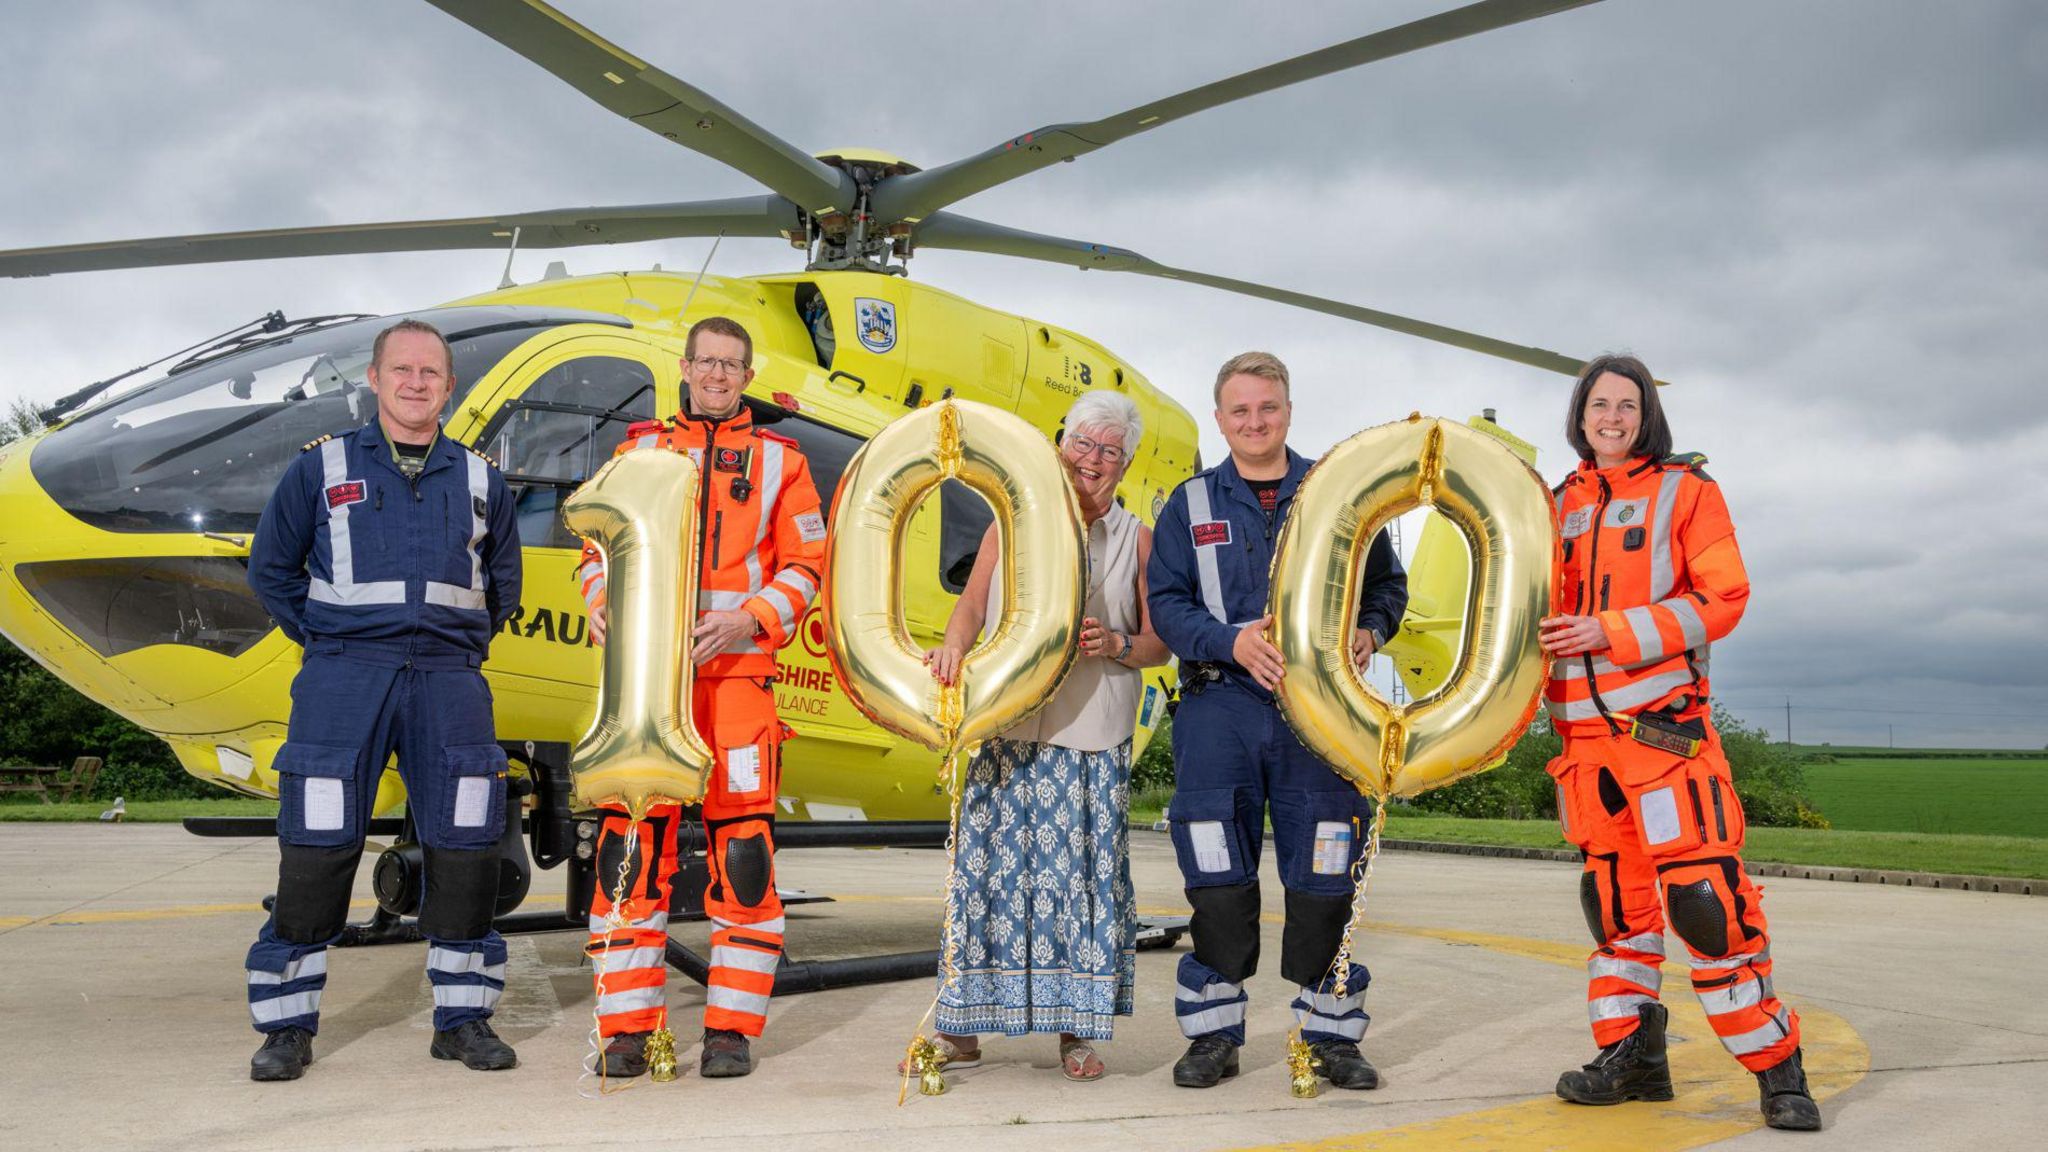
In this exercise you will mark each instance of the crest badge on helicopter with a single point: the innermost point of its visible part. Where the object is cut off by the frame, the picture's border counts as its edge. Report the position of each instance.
(875, 320)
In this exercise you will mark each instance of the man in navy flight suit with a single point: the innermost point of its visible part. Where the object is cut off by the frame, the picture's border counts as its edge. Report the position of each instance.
(1234, 755)
(391, 553)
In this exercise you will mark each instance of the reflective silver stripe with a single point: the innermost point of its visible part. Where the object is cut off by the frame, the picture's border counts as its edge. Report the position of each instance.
(745, 959)
(1326, 1004)
(1661, 577)
(795, 578)
(593, 590)
(450, 596)
(734, 1000)
(655, 923)
(1621, 1007)
(1574, 668)
(721, 601)
(466, 996)
(784, 610)
(1719, 1001)
(1647, 942)
(307, 966)
(1643, 623)
(463, 963)
(1758, 1039)
(1216, 991)
(763, 928)
(284, 1007)
(648, 441)
(617, 960)
(1642, 975)
(1352, 1029)
(1645, 691)
(771, 487)
(1212, 1020)
(631, 1000)
(1690, 625)
(1206, 572)
(350, 595)
(1708, 964)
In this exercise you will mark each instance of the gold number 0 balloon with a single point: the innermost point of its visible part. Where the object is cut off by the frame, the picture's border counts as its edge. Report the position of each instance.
(1029, 650)
(1505, 513)
(643, 749)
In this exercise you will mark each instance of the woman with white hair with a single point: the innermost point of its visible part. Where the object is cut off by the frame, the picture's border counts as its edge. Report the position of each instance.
(1042, 890)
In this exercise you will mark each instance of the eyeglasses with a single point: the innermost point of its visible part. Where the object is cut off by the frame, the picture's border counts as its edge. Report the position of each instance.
(715, 366)
(1084, 447)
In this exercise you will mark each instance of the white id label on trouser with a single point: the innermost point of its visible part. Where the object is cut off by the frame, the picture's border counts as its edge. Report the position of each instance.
(472, 801)
(1212, 851)
(1333, 848)
(324, 804)
(743, 770)
(1660, 817)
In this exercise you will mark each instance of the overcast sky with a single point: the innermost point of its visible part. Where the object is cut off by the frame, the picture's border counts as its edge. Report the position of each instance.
(1825, 222)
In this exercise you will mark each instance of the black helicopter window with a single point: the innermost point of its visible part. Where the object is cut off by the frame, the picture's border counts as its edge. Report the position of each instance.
(561, 429)
(827, 449)
(202, 449)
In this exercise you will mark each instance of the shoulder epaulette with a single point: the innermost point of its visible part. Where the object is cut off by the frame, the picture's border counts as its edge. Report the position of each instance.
(481, 455)
(778, 437)
(1693, 462)
(316, 442)
(646, 427)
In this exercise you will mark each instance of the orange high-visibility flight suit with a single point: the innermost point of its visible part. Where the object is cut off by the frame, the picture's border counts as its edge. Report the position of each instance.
(1650, 551)
(763, 546)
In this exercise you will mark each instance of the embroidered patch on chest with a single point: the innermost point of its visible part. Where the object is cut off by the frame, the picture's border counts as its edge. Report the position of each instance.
(1623, 513)
(346, 492)
(729, 460)
(1577, 523)
(1212, 532)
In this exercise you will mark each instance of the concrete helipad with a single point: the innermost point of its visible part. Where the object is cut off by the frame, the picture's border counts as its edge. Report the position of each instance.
(122, 1024)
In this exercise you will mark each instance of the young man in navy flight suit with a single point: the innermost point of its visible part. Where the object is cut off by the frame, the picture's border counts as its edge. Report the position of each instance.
(1234, 755)
(391, 553)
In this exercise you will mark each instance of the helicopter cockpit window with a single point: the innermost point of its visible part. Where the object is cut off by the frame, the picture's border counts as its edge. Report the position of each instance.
(817, 318)
(963, 519)
(202, 449)
(828, 449)
(560, 430)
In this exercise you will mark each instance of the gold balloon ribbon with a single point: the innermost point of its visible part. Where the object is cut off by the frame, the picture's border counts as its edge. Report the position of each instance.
(922, 1058)
(1302, 1062)
(593, 1060)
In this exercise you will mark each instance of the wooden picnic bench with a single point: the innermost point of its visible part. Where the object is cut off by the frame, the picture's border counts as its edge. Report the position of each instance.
(67, 783)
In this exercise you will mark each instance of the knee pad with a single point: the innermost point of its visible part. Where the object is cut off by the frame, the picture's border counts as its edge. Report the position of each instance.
(1315, 926)
(748, 866)
(1602, 902)
(1699, 914)
(312, 892)
(1225, 927)
(462, 893)
(611, 852)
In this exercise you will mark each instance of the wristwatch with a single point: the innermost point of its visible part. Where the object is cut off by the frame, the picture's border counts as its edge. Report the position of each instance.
(1126, 650)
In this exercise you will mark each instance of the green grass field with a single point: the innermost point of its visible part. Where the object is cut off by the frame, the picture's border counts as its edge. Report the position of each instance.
(1971, 796)
(139, 811)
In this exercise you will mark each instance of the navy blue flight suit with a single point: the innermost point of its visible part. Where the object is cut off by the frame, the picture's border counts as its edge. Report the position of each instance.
(395, 588)
(1234, 757)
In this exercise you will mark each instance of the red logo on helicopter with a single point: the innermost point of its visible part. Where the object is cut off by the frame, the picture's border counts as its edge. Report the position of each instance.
(813, 632)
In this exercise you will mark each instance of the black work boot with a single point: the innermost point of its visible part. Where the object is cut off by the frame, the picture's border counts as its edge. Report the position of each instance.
(725, 1054)
(1631, 1068)
(1343, 1065)
(1781, 1090)
(473, 1043)
(284, 1055)
(626, 1055)
(1209, 1061)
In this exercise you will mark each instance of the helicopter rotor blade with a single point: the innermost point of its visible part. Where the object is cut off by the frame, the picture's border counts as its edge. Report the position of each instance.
(959, 233)
(655, 100)
(561, 228)
(917, 195)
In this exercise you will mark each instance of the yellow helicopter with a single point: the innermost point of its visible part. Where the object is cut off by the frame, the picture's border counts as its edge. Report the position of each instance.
(124, 528)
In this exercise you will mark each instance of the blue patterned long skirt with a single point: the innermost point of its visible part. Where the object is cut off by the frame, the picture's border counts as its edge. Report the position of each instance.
(1041, 893)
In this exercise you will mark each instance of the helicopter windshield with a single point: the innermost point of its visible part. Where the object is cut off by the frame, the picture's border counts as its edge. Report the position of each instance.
(201, 449)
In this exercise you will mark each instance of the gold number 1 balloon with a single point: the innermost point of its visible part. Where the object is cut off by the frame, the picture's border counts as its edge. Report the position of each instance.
(1505, 513)
(1038, 522)
(643, 749)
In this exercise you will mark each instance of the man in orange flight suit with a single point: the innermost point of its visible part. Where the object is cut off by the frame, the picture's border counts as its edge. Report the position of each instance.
(762, 539)
(1651, 577)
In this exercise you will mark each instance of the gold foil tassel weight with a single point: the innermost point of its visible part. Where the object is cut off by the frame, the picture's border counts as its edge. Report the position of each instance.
(1301, 1069)
(929, 1064)
(661, 1056)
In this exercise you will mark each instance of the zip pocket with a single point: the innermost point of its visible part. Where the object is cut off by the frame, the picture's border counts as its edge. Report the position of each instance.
(1699, 814)
(1720, 815)
(717, 525)
(1604, 578)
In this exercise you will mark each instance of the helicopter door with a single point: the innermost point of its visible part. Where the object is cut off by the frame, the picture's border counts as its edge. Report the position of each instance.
(559, 418)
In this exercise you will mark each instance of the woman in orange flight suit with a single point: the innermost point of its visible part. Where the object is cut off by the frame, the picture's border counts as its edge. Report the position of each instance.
(1651, 577)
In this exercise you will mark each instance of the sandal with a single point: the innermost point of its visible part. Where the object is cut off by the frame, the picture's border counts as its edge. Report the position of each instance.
(951, 1055)
(1079, 1061)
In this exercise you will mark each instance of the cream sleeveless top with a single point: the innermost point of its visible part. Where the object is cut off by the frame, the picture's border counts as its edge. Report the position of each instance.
(1096, 708)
